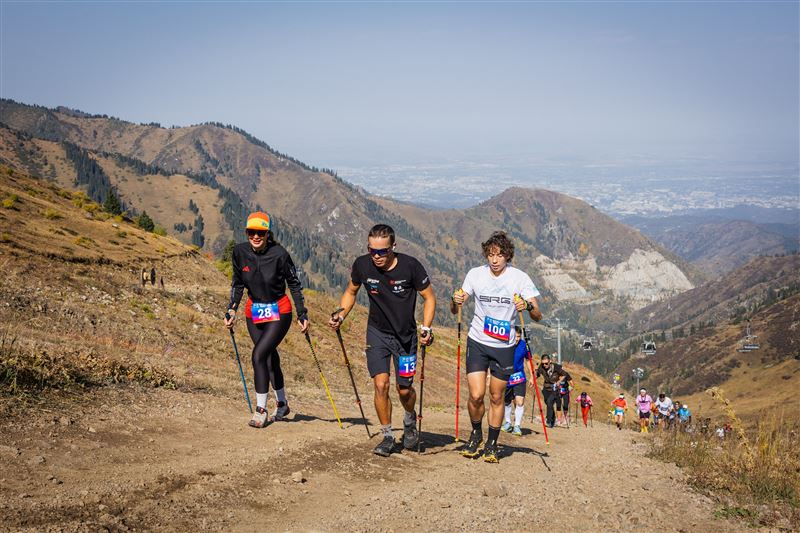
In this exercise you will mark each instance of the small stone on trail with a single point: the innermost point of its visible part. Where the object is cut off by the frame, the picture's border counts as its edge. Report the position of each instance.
(276, 481)
(495, 490)
(92, 430)
(9, 451)
(37, 460)
(298, 477)
(64, 421)
(444, 505)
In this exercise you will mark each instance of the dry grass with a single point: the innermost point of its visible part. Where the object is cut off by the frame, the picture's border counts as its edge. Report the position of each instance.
(26, 370)
(757, 470)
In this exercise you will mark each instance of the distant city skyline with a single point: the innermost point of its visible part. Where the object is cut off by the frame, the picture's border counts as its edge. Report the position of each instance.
(344, 84)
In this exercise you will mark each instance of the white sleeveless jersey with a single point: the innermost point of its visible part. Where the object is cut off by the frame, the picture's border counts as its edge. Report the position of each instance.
(495, 313)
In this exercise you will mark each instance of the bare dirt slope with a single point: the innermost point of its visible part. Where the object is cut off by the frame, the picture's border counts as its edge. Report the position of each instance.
(132, 460)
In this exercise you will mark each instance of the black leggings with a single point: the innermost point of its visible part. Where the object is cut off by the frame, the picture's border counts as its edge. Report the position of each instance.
(266, 361)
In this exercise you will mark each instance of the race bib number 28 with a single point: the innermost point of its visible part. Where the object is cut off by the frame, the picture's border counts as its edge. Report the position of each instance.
(265, 312)
(407, 365)
(497, 329)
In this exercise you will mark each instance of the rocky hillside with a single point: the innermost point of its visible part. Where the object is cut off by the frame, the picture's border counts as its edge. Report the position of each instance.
(720, 246)
(577, 254)
(732, 297)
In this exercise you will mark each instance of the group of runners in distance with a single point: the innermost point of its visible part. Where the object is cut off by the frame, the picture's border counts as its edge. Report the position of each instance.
(495, 345)
(662, 413)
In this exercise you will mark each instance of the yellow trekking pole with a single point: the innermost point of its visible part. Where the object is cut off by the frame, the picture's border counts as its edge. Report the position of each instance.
(324, 383)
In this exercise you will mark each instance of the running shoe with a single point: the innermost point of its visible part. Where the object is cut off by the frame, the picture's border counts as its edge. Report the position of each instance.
(490, 453)
(473, 445)
(507, 427)
(281, 411)
(517, 431)
(259, 419)
(410, 436)
(385, 447)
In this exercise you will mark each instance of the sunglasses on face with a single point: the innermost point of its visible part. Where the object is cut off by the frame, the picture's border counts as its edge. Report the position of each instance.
(545, 363)
(254, 232)
(380, 252)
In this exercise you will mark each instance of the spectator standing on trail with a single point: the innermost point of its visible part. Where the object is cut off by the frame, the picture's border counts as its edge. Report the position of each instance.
(663, 409)
(586, 403)
(501, 292)
(553, 376)
(644, 406)
(265, 269)
(392, 282)
(620, 406)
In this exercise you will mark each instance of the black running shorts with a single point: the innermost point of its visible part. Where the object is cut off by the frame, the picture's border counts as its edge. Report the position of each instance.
(480, 358)
(514, 391)
(564, 403)
(385, 347)
(644, 415)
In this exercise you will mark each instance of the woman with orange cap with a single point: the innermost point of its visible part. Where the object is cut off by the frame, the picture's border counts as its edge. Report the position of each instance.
(265, 269)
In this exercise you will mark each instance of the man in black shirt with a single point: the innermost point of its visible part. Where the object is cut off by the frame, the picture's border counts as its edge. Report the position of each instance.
(554, 375)
(392, 281)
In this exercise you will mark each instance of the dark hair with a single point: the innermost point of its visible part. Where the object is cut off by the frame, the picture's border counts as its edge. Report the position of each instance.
(545, 356)
(500, 240)
(382, 230)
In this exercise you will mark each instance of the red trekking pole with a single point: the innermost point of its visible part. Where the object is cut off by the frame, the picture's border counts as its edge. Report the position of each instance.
(533, 376)
(458, 371)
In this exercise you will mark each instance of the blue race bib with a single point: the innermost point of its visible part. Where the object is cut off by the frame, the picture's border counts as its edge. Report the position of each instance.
(407, 365)
(265, 312)
(516, 378)
(497, 329)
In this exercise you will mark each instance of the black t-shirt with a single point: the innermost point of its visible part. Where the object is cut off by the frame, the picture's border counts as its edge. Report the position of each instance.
(392, 294)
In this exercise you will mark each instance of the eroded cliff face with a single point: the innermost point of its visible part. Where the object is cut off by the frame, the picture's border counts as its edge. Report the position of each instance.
(645, 277)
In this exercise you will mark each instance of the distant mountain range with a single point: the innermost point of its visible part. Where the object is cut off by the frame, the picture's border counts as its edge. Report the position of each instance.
(198, 182)
(718, 241)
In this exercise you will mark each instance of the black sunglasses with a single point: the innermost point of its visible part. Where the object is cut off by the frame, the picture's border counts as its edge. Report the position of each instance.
(254, 232)
(380, 252)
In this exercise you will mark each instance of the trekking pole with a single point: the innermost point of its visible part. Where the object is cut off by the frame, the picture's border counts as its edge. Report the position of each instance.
(458, 371)
(324, 383)
(239, 362)
(533, 375)
(421, 392)
(350, 371)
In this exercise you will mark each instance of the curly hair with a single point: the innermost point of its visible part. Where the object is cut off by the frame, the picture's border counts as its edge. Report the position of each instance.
(499, 240)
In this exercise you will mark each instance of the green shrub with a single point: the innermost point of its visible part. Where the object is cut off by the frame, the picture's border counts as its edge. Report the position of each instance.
(52, 214)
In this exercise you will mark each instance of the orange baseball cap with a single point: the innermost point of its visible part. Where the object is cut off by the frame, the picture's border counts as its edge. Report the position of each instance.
(258, 220)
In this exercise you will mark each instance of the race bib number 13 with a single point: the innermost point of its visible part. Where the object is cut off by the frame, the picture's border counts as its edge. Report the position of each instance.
(407, 365)
(265, 312)
(497, 329)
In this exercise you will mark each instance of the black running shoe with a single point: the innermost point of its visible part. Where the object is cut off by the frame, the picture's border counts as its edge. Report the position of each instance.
(281, 412)
(385, 447)
(410, 436)
(490, 453)
(473, 445)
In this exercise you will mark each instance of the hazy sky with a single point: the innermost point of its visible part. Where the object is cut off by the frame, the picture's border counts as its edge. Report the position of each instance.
(329, 81)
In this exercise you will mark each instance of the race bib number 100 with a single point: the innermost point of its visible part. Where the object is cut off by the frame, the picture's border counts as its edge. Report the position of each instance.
(407, 365)
(497, 329)
(265, 312)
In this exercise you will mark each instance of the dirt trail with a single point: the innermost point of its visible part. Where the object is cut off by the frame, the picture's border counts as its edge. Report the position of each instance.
(152, 459)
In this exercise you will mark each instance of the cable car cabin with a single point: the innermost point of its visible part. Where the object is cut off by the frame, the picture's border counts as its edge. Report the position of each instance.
(748, 344)
(649, 348)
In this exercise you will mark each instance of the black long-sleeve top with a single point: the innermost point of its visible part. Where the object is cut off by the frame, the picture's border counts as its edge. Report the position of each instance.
(266, 275)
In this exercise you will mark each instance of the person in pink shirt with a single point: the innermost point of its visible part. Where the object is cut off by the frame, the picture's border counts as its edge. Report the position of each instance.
(644, 405)
(586, 405)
